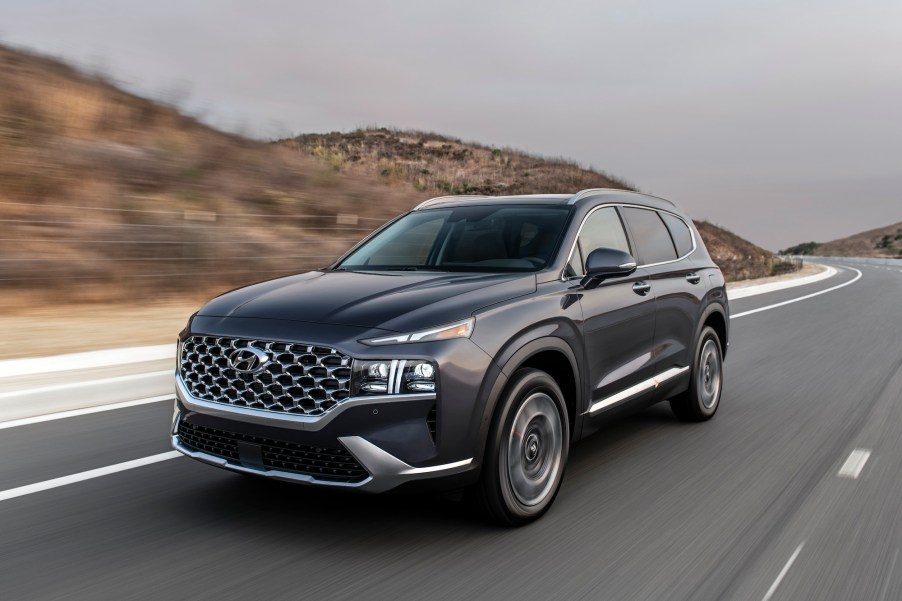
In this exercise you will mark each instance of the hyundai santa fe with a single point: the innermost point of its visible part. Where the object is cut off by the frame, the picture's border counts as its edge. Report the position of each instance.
(465, 344)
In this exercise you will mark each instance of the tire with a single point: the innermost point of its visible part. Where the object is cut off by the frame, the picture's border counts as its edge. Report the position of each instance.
(526, 451)
(700, 402)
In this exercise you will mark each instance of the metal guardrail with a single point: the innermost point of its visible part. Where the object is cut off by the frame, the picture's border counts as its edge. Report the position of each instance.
(783, 265)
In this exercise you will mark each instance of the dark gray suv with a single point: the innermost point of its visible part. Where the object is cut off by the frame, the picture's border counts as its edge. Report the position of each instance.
(465, 344)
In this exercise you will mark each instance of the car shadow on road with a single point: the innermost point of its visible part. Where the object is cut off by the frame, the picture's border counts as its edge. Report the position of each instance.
(281, 508)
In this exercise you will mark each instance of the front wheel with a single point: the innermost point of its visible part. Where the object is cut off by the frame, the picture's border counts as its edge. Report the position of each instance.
(526, 451)
(700, 401)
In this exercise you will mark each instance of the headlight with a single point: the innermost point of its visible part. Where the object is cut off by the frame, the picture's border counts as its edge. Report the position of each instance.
(393, 376)
(460, 329)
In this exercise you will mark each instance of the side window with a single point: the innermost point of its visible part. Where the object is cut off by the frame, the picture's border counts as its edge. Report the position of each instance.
(602, 229)
(680, 233)
(653, 243)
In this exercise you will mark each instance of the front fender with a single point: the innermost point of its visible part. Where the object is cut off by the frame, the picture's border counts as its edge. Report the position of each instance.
(514, 355)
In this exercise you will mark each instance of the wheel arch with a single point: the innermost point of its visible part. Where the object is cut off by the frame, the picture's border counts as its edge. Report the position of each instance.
(715, 317)
(550, 354)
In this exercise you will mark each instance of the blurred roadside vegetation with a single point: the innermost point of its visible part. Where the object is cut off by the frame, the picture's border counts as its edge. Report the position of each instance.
(105, 195)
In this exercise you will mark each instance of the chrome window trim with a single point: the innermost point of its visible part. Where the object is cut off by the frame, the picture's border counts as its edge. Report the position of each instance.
(564, 278)
(291, 421)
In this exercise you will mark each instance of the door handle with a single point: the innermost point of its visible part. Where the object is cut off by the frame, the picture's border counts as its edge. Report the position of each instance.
(641, 288)
(693, 278)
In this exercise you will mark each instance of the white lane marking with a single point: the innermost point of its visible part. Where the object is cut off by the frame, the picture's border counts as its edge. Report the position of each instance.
(854, 464)
(86, 383)
(801, 298)
(12, 493)
(25, 421)
(773, 588)
(120, 356)
(738, 293)
(889, 576)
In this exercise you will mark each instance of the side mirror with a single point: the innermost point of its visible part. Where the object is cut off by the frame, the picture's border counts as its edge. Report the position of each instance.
(604, 263)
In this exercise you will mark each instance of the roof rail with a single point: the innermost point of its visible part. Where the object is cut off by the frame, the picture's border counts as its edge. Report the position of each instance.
(426, 203)
(584, 193)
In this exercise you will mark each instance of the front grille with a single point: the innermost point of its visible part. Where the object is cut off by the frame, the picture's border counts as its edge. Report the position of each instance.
(298, 378)
(322, 463)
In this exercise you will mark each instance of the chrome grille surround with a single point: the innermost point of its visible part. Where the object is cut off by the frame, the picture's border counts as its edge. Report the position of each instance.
(300, 378)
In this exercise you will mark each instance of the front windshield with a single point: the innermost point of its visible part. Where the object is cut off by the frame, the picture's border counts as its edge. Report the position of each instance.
(473, 238)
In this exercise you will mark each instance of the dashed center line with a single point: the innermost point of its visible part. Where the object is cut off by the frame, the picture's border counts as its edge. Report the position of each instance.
(854, 464)
(773, 588)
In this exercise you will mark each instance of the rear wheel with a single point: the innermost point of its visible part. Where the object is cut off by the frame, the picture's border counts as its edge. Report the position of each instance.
(526, 451)
(700, 401)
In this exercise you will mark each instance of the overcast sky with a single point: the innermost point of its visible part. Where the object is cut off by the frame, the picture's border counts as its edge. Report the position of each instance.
(780, 120)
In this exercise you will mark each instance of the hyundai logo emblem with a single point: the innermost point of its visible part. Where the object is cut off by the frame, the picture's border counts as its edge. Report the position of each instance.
(248, 360)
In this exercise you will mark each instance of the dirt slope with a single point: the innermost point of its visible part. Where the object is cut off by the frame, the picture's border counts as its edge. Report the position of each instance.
(106, 194)
(881, 242)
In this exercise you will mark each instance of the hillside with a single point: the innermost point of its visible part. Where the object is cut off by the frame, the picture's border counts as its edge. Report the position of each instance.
(436, 165)
(881, 242)
(738, 258)
(107, 196)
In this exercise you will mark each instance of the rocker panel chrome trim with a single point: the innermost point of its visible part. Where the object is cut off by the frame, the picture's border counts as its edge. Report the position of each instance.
(635, 390)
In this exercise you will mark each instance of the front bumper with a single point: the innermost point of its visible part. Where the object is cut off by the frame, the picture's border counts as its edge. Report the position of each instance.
(353, 424)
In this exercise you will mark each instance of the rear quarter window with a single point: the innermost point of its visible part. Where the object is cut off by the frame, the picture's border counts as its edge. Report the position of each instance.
(650, 235)
(679, 231)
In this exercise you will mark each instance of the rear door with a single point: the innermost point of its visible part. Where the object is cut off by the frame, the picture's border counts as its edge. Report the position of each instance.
(618, 326)
(664, 243)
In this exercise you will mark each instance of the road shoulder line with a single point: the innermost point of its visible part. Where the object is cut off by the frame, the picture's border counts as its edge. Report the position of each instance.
(37, 419)
(801, 298)
(28, 489)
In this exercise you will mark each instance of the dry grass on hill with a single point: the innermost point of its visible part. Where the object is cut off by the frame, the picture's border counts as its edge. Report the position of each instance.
(738, 258)
(105, 194)
(436, 164)
(881, 242)
(440, 165)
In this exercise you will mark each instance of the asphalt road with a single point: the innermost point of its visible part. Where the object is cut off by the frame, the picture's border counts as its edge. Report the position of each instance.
(747, 506)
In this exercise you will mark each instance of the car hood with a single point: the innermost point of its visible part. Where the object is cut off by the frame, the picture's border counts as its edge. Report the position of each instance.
(397, 301)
